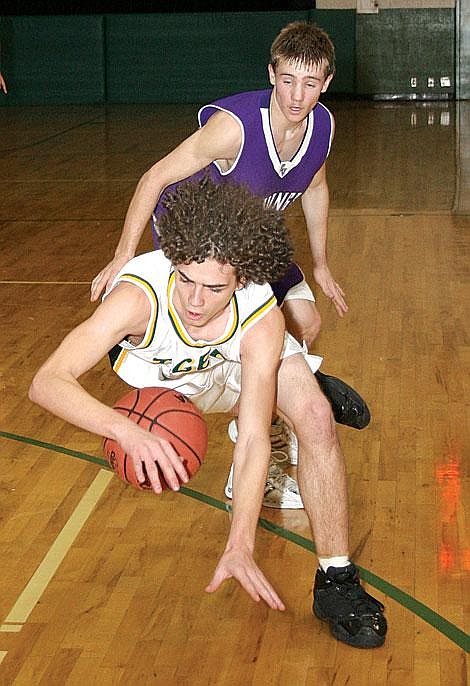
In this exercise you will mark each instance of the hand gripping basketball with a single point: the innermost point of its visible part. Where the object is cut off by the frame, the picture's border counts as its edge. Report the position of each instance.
(170, 415)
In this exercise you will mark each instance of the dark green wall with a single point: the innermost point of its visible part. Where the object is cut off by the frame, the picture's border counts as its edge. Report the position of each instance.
(187, 57)
(136, 58)
(143, 58)
(54, 59)
(196, 57)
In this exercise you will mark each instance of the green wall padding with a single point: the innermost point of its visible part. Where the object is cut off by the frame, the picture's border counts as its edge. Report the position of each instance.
(145, 58)
(189, 57)
(341, 27)
(53, 59)
(199, 57)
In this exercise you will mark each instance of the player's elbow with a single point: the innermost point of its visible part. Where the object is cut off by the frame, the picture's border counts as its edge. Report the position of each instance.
(35, 389)
(152, 180)
(39, 387)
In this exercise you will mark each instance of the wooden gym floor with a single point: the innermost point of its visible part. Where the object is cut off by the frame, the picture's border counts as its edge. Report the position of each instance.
(104, 585)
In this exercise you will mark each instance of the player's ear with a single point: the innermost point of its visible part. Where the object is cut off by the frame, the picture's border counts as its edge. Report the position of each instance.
(272, 74)
(327, 83)
(241, 283)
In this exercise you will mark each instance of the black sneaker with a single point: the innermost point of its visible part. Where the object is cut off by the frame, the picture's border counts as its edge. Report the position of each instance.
(347, 405)
(355, 617)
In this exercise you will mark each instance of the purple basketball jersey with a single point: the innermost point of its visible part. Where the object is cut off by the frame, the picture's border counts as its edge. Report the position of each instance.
(258, 165)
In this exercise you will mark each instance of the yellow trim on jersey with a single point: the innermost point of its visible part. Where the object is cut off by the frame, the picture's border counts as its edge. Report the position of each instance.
(120, 359)
(175, 320)
(259, 312)
(147, 288)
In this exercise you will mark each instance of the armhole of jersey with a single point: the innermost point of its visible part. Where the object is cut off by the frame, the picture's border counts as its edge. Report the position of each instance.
(146, 287)
(330, 140)
(258, 314)
(238, 120)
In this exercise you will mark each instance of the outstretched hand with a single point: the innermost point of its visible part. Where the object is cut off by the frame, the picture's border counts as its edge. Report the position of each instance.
(102, 281)
(331, 289)
(240, 565)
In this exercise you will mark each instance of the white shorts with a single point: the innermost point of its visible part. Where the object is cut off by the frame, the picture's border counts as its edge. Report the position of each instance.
(218, 389)
(300, 291)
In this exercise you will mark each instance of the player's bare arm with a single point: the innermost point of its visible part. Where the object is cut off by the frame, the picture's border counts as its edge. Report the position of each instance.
(56, 387)
(260, 355)
(219, 139)
(315, 204)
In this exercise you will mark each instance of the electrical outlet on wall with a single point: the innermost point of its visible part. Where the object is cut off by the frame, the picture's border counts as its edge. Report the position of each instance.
(367, 7)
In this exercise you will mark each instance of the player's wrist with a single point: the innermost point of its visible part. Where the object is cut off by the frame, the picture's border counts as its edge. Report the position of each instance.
(124, 254)
(239, 542)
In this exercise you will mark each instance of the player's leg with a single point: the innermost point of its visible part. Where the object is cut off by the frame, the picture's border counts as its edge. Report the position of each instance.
(321, 471)
(354, 616)
(303, 322)
(296, 298)
(348, 407)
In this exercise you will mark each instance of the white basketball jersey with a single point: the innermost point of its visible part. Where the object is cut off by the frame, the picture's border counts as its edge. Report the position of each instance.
(167, 352)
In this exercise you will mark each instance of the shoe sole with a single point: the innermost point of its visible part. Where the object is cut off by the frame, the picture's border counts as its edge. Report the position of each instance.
(272, 506)
(283, 507)
(297, 506)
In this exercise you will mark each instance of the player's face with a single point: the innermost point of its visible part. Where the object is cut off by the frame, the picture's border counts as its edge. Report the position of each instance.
(203, 291)
(297, 88)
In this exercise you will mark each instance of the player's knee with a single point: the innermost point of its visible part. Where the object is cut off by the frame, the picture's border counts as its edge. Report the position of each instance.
(317, 421)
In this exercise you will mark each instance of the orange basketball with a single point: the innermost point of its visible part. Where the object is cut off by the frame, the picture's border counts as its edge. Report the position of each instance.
(172, 416)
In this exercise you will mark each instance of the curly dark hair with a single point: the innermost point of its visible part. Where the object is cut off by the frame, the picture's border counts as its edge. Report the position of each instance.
(227, 223)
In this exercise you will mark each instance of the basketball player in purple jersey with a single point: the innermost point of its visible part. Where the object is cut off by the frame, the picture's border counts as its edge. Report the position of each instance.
(275, 142)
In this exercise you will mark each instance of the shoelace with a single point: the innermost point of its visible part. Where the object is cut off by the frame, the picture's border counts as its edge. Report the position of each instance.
(363, 602)
(279, 441)
(278, 479)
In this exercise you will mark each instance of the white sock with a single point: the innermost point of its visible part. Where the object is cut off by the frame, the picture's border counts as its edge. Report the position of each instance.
(338, 561)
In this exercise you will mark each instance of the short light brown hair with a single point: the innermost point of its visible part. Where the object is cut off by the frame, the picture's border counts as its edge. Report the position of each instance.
(225, 222)
(304, 43)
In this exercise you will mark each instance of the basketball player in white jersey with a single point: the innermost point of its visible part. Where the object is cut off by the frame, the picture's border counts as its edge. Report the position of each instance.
(202, 318)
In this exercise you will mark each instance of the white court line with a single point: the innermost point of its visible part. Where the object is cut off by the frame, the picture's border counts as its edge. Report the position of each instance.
(58, 550)
(12, 628)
